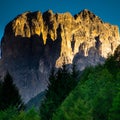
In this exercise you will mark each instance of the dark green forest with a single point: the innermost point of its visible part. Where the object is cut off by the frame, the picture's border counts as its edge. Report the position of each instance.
(97, 95)
(93, 94)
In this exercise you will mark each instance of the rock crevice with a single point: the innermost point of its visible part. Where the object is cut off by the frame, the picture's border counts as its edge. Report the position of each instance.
(34, 42)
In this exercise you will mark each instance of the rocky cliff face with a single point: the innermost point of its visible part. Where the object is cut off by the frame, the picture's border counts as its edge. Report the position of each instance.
(34, 42)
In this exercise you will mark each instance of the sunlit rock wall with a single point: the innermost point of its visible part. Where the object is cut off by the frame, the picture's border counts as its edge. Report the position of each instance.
(34, 42)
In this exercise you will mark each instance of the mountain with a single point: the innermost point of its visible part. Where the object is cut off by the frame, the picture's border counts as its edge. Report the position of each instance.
(35, 101)
(34, 42)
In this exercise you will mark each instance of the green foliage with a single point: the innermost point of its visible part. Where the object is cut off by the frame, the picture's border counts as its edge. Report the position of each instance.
(113, 62)
(12, 113)
(8, 114)
(9, 94)
(112, 65)
(104, 96)
(115, 109)
(114, 113)
(60, 85)
(29, 115)
(96, 96)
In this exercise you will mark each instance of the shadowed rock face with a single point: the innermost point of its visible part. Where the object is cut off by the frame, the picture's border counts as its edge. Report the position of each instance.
(34, 42)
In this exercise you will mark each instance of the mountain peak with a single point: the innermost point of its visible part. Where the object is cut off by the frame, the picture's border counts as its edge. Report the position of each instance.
(86, 10)
(33, 43)
(87, 14)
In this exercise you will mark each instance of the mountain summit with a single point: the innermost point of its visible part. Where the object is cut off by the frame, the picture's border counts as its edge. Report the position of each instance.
(33, 43)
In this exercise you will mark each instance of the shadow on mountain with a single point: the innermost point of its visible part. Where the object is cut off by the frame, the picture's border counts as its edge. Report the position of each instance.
(93, 58)
(29, 61)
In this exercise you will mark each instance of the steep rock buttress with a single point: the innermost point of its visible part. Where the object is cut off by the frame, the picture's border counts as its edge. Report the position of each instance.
(34, 42)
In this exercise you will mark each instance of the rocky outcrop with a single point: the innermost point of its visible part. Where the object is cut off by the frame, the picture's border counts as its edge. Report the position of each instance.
(34, 42)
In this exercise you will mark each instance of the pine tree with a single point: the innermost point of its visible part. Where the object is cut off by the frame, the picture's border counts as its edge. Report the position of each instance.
(10, 94)
(60, 85)
(115, 109)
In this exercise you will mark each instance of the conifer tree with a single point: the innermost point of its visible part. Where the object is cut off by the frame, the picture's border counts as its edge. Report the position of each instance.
(115, 109)
(10, 94)
(60, 85)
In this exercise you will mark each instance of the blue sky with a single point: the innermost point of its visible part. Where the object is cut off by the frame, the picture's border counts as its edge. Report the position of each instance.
(107, 10)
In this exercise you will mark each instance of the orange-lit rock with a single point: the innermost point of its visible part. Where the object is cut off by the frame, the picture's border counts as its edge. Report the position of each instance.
(34, 42)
